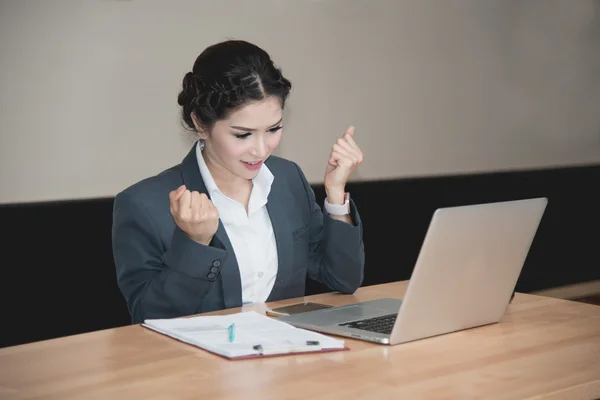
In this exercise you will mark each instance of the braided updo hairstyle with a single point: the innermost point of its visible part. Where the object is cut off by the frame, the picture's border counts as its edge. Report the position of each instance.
(226, 76)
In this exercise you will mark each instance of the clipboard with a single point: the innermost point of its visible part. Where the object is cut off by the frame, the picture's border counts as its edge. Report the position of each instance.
(255, 336)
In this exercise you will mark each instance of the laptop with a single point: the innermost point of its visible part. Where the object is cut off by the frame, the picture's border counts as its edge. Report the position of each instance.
(464, 277)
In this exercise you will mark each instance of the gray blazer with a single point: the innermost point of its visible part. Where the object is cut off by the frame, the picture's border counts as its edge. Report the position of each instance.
(164, 274)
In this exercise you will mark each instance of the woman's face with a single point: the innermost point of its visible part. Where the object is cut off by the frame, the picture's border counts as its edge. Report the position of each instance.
(239, 145)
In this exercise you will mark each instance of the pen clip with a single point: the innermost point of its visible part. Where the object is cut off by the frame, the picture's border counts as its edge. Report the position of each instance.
(311, 345)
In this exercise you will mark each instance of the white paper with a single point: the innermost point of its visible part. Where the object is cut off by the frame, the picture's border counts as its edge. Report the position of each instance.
(251, 328)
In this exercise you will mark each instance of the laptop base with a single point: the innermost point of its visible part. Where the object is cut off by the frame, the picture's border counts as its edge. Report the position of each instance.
(331, 320)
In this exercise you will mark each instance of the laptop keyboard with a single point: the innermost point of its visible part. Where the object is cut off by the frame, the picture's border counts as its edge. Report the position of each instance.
(383, 324)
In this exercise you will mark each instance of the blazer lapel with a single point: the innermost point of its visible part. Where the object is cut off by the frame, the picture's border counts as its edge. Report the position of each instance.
(279, 200)
(230, 272)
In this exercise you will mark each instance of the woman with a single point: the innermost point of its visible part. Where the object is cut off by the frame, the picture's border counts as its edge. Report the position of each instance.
(232, 224)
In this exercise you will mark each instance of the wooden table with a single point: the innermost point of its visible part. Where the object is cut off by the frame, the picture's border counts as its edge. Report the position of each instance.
(544, 348)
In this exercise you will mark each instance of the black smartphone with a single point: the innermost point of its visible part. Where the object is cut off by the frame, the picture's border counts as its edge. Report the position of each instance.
(296, 309)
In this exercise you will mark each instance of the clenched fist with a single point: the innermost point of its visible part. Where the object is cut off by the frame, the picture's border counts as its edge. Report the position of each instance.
(344, 158)
(194, 214)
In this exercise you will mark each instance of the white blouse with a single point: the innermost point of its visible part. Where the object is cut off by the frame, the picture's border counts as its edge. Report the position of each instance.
(251, 234)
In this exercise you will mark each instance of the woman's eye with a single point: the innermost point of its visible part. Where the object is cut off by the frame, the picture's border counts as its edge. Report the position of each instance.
(245, 135)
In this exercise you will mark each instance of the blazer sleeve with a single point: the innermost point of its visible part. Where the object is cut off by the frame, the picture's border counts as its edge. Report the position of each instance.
(158, 280)
(337, 256)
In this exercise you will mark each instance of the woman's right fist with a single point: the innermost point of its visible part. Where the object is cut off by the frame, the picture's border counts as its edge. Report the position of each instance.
(194, 214)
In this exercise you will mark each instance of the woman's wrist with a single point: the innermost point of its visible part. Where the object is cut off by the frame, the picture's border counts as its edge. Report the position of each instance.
(336, 195)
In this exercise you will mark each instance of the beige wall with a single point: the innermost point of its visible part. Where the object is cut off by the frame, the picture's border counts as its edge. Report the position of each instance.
(88, 88)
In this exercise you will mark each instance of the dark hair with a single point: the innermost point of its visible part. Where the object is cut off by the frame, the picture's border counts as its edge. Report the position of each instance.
(226, 76)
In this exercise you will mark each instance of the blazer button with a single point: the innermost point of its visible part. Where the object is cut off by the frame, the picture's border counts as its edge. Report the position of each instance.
(211, 276)
(216, 263)
(214, 270)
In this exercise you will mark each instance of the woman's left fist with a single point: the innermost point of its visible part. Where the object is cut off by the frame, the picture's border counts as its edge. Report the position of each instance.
(345, 157)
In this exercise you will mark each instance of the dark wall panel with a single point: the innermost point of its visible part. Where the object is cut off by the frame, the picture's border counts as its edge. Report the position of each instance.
(59, 277)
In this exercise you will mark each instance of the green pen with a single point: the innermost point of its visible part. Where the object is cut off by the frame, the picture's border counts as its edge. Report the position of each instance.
(231, 332)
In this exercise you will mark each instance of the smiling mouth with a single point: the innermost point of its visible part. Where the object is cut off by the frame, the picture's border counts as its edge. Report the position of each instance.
(254, 165)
